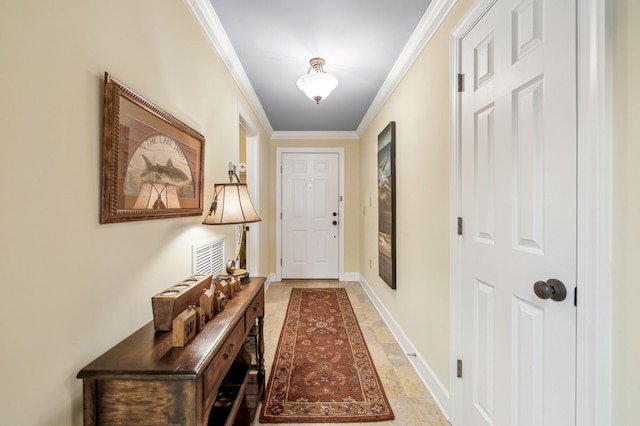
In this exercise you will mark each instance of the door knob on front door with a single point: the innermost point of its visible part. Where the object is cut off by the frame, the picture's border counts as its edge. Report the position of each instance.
(551, 289)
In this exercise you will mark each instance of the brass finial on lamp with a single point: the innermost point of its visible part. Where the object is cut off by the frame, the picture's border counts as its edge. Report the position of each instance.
(232, 205)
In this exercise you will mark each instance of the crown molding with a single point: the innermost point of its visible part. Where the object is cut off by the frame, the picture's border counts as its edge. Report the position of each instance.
(203, 11)
(314, 135)
(432, 19)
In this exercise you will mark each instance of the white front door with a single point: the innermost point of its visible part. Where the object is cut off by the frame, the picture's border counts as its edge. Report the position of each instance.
(518, 203)
(310, 215)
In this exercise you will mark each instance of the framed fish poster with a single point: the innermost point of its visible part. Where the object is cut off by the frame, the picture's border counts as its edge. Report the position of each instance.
(387, 205)
(152, 163)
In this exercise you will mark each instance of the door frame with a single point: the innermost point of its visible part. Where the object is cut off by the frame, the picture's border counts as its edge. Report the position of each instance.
(253, 184)
(594, 217)
(309, 150)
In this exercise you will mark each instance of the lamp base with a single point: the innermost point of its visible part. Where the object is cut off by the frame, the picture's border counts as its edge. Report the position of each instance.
(242, 274)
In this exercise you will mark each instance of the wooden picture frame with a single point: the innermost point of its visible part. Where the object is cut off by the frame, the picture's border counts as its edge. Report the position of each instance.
(152, 163)
(387, 205)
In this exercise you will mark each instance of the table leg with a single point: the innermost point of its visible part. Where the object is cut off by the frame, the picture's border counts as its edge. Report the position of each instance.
(260, 354)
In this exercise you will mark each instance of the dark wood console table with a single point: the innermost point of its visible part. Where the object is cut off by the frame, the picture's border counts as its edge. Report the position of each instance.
(216, 379)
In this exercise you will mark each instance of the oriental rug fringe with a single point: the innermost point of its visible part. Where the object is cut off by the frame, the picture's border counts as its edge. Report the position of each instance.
(323, 371)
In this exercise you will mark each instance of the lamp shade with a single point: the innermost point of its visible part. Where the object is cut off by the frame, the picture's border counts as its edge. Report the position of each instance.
(231, 205)
(317, 85)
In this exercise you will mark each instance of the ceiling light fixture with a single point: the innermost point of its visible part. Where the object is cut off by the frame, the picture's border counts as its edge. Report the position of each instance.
(317, 85)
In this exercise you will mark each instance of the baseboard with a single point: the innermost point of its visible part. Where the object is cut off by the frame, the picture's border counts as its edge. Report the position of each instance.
(350, 276)
(267, 282)
(347, 276)
(439, 393)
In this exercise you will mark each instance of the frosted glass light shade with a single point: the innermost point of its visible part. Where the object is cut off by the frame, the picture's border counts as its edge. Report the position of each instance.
(231, 205)
(317, 85)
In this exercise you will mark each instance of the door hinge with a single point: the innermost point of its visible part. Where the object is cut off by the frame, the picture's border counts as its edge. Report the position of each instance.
(575, 296)
(280, 261)
(459, 226)
(459, 369)
(460, 82)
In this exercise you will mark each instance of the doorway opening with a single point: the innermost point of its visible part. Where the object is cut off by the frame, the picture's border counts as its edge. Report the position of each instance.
(248, 162)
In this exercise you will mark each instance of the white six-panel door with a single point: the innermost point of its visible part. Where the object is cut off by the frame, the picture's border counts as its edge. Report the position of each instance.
(518, 203)
(310, 215)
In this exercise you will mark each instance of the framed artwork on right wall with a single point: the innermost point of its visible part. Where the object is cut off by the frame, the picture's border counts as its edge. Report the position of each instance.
(387, 205)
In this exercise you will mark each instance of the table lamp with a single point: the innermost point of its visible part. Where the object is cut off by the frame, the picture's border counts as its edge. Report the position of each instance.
(232, 206)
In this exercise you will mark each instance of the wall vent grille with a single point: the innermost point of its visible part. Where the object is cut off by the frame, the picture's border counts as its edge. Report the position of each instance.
(208, 258)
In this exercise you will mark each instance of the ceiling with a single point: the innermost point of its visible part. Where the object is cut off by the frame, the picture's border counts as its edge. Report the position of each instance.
(266, 45)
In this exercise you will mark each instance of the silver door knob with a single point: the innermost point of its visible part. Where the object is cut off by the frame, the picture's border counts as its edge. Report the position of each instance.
(551, 289)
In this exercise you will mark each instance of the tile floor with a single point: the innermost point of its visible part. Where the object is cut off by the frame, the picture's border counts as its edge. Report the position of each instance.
(409, 398)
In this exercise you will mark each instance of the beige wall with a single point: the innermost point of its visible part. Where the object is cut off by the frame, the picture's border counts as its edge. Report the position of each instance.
(626, 213)
(72, 288)
(351, 195)
(420, 108)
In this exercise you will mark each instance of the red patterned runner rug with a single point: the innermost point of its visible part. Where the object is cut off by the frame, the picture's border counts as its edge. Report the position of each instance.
(322, 371)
